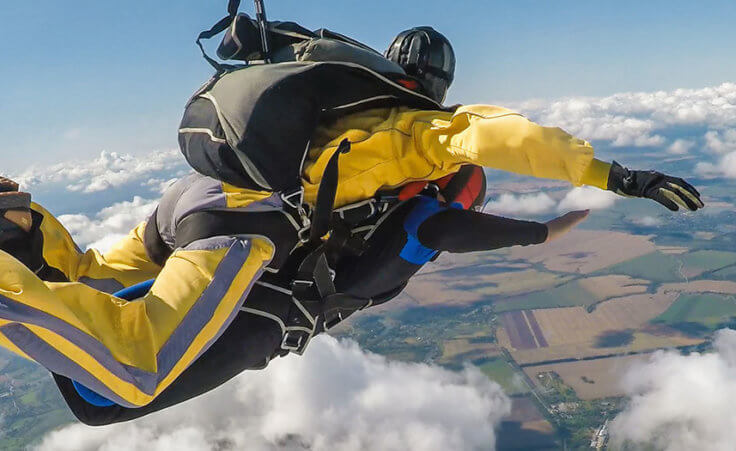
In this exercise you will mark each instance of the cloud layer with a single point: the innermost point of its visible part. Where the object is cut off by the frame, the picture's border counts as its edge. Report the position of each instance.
(109, 170)
(336, 397)
(109, 225)
(524, 204)
(682, 121)
(680, 403)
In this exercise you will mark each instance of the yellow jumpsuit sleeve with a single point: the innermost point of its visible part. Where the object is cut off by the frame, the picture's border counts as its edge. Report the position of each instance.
(125, 264)
(130, 351)
(400, 145)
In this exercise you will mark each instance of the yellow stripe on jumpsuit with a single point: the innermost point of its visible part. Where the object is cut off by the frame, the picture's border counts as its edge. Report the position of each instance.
(126, 351)
(130, 352)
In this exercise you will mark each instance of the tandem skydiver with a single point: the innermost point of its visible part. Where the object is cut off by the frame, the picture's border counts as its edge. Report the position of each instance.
(364, 178)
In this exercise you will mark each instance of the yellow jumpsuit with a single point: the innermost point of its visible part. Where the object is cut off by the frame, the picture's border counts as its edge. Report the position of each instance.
(130, 351)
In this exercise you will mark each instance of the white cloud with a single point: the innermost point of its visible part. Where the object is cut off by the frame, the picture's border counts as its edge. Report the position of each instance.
(72, 133)
(109, 170)
(721, 142)
(109, 225)
(681, 403)
(726, 167)
(160, 185)
(524, 204)
(647, 221)
(336, 397)
(680, 147)
(711, 106)
(647, 119)
(587, 198)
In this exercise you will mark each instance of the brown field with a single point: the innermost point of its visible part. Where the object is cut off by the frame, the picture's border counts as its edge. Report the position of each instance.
(571, 332)
(452, 349)
(444, 287)
(673, 250)
(702, 286)
(575, 325)
(705, 235)
(525, 427)
(523, 329)
(602, 376)
(586, 251)
(607, 287)
(643, 342)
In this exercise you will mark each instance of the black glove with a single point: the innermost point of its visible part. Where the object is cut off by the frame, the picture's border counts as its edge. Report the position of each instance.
(668, 191)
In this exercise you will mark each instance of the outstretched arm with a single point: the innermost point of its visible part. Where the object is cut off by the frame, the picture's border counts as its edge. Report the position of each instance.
(405, 145)
(476, 231)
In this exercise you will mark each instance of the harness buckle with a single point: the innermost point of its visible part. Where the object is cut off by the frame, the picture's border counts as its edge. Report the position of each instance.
(295, 341)
(332, 320)
(295, 200)
(300, 284)
(304, 232)
(287, 198)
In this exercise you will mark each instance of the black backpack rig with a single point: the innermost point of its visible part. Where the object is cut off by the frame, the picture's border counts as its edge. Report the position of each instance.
(250, 126)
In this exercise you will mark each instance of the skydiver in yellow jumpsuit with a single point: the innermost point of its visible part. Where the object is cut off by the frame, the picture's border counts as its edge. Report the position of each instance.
(56, 305)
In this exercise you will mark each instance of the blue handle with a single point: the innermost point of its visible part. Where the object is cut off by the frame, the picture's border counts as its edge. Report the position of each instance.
(136, 291)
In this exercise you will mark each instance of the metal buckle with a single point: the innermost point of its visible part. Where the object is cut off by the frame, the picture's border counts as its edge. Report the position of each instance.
(334, 321)
(287, 198)
(295, 341)
(292, 340)
(304, 232)
(297, 284)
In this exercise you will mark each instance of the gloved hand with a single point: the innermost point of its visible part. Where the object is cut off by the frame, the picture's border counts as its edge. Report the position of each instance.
(672, 192)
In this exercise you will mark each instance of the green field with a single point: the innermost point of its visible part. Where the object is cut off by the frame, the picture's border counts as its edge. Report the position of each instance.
(726, 273)
(567, 295)
(655, 266)
(710, 310)
(708, 260)
(499, 370)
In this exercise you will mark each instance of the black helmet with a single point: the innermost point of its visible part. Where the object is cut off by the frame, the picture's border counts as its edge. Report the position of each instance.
(427, 55)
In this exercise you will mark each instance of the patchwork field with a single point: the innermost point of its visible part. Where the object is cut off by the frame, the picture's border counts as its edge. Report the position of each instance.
(699, 262)
(618, 325)
(523, 330)
(467, 285)
(499, 370)
(525, 425)
(706, 309)
(654, 266)
(586, 251)
(468, 349)
(583, 292)
(591, 379)
(726, 273)
(703, 286)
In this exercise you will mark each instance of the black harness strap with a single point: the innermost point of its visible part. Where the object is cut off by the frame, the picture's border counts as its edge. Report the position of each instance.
(219, 27)
(156, 249)
(322, 215)
(273, 225)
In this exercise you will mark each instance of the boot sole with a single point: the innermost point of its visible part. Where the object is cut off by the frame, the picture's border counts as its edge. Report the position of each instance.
(7, 185)
(15, 201)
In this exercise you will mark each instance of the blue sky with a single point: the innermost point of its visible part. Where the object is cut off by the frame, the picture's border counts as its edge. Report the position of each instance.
(82, 76)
